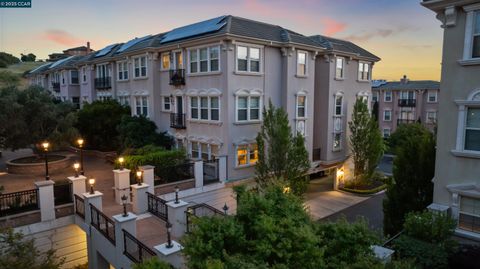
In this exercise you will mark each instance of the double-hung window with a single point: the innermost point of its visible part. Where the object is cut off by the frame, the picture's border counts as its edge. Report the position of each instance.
(469, 215)
(205, 108)
(387, 115)
(247, 154)
(165, 61)
(248, 108)
(363, 71)
(432, 97)
(431, 117)
(387, 96)
(248, 59)
(338, 122)
(141, 105)
(74, 77)
(122, 69)
(374, 97)
(476, 35)
(140, 67)
(203, 60)
(124, 100)
(472, 129)
(338, 105)
(167, 103)
(386, 132)
(301, 106)
(301, 63)
(339, 69)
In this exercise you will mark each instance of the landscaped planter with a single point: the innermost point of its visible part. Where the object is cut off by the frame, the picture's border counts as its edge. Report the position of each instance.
(15, 166)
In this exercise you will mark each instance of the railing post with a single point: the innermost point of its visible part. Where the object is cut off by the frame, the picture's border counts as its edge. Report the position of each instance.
(172, 255)
(122, 184)
(177, 217)
(222, 168)
(127, 223)
(46, 199)
(139, 198)
(148, 177)
(198, 172)
(94, 199)
(78, 184)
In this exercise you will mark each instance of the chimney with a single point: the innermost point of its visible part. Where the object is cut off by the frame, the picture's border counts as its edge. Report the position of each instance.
(88, 47)
(404, 80)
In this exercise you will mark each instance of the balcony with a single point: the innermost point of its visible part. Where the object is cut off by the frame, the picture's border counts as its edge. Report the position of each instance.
(405, 121)
(177, 77)
(177, 121)
(56, 86)
(407, 102)
(103, 83)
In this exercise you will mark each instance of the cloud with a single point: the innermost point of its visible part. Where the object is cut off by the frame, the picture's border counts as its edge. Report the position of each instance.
(331, 26)
(366, 36)
(415, 47)
(61, 37)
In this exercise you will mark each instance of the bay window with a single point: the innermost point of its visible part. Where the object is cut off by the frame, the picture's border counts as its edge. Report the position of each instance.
(248, 59)
(301, 63)
(203, 60)
(140, 67)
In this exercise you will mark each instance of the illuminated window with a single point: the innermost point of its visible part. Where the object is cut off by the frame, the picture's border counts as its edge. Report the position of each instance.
(247, 154)
(166, 61)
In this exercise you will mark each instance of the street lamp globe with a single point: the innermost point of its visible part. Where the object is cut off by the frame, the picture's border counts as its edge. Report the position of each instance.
(45, 145)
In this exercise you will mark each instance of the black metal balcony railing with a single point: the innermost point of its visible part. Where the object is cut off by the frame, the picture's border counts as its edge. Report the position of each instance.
(157, 206)
(177, 77)
(56, 86)
(79, 206)
(102, 223)
(407, 102)
(62, 193)
(177, 121)
(200, 210)
(405, 121)
(135, 250)
(18, 202)
(103, 83)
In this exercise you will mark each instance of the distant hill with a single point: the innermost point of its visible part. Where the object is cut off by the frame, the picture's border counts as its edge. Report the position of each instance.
(18, 70)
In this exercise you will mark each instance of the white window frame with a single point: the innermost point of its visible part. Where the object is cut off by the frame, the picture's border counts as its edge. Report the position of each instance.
(471, 11)
(297, 106)
(71, 77)
(430, 94)
(336, 106)
(249, 108)
(249, 148)
(385, 96)
(386, 131)
(100, 68)
(342, 68)
(209, 108)
(169, 103)
(385, 114)
(167, 55)
(472, 101)
(139, 102)
(375, 96)
(362, 73)
(427, 118)
(260, 60)
(209, 60)
(340, 142)
(140, 66)
(122, 67)
(124, 100)
(298, 63)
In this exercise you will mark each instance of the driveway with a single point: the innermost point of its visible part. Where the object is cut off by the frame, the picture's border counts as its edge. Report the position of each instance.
(386, 165)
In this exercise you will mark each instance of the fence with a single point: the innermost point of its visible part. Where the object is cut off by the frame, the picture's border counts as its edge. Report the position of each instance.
(18, 202)
(200, 210)
(62, 193)
(174, 173)
(136, 250)
(211, 171)
(80, 206)
(102, 223)
(157, 206)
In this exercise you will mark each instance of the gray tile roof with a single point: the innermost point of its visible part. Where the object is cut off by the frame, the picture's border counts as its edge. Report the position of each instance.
(345, 46)
(410, 85)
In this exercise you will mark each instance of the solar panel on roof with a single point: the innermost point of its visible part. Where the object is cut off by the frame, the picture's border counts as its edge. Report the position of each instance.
(59, 62)
(105, 50)
(40, 67)
(195, 29)
(132, 42)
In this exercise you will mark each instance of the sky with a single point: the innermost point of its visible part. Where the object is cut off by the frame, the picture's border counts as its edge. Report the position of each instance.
(405, 35)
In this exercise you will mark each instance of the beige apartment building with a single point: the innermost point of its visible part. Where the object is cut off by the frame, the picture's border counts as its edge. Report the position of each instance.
(457, 172)
(404, 102)
(206, 84)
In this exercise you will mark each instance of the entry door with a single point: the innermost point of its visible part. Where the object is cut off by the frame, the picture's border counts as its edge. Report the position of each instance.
(178, 60)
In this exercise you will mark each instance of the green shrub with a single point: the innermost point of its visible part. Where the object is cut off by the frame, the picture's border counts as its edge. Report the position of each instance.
(430, 227)
(153, 263)
(138, 131)
(426, 255)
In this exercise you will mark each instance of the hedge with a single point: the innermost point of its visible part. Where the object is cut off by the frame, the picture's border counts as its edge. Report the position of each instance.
(371, 191)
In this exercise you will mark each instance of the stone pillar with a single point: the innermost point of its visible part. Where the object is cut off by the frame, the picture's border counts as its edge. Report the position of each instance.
(46, 199)
(78, 184)
(149, 177)
(139, 198)
(198, 172)
(127, 223)
(94, 199)
(171, 255)
(222, 168)
(176, 216)
(122, 184)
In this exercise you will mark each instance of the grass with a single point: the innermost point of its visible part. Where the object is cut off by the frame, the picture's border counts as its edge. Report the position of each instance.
(20, 68)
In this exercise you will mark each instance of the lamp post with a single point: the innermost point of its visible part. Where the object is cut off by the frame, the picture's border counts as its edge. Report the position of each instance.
(121, 160)
(139, 178)
(177, 189)
(45, 146)
(80, 145)
(76, 166)
(124, 203)
(91, 182)
(169, 237)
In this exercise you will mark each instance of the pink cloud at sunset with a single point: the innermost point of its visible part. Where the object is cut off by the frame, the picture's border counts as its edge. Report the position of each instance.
(61, 37)
(332, 27)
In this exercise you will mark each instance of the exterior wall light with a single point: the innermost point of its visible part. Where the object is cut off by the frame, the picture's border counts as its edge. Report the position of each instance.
(91, 182)
(76, 166)
(139, 178)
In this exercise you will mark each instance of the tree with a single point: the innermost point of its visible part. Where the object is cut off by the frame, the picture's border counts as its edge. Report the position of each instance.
(7, 59)
(282, 156)
(139, 131)
(413, 169)
(9, 79)
(366, 142)
(98, 121)
(20, 253)
(153, 263)
(28, 57)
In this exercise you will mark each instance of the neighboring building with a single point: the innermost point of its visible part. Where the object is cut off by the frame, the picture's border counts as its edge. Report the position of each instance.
(207, 83)
(77, 51)
(457, 170)
(404, 102)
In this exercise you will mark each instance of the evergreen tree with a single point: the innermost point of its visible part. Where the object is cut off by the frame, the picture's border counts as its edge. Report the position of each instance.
(282, 156)
(413, 169)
